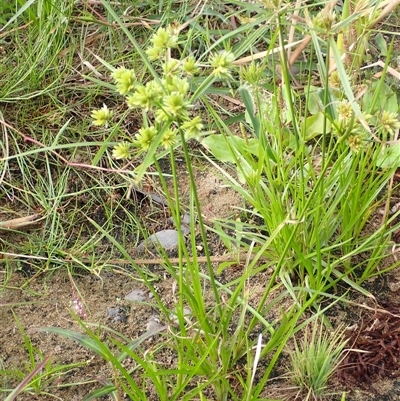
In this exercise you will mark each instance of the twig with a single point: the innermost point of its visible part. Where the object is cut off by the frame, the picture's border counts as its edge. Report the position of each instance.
(6, 148)
(201, 259)
(241, 257)
(390, 189)
(20, 222)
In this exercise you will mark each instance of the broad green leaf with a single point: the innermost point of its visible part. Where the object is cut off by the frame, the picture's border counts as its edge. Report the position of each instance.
(251, 113)
(315, 125)
(381, 43)
(389, 157)
(81, 339)
(253, 146)
(315, 103)
(218, 146)
(223, 148)
(386, 98)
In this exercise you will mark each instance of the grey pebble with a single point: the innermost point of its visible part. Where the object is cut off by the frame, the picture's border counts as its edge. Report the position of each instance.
(136, 296)
(187, 314)
(186, 219)
(167, 239)
(185, 223)
(153, 323)
(113, 311)
(117, 314)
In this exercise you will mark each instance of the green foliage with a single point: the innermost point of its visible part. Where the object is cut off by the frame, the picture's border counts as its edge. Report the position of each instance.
(312, 162)
(93, 342)
(33, 55)
(354, 29)
(38, 375)
(314, 361)
(314, 179)
(165, 100)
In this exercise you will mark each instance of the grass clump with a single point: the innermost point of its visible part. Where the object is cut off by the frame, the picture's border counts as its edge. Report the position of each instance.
(314, 361)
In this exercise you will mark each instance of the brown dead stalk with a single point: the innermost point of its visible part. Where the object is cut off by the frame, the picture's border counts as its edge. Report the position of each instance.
(21, 222)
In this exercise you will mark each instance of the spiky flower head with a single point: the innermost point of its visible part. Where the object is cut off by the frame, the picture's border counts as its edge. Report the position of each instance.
(171, 67)
(193, 128)
(101, 116)
(125, 80)
(272, 4)
(162, 116)
(388, 123)
(176, 84)
(324, 20)
(356, 141)
(118, 73)
(146, 97)
(334, 80)
(189, 66)
(145, 137)
(162, 40)
(245, 19)
(253, 74)
(175, 105)
(154, 53)
(122, 151)
(165, 38)
(222, 64)
(169, 139)
(345, 111)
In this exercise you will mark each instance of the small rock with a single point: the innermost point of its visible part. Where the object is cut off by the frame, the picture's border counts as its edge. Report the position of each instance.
(117, 314)
(185, 223)
(186, 219)
(136, 296)
(113, 311)
(187, 313)
(153, 324)
(167, 239)
(185, 229)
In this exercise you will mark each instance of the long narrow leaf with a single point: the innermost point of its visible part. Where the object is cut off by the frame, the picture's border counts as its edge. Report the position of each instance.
(13, 395)
(81, 339)
(346, 84)
(101, 392)
(18, 13)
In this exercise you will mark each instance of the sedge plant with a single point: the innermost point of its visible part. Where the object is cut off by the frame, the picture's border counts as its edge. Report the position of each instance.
(38, 375)
(317, 179)
(311, 183)
(207, 353)
(314, 192)
(203, 344)
(314, 360)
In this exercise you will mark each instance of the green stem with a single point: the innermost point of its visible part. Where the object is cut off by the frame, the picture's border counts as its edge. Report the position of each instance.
(201, 223)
